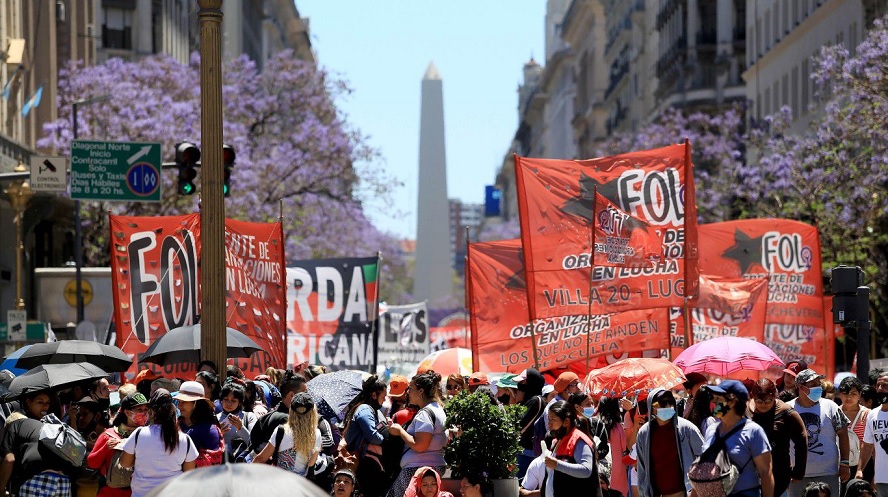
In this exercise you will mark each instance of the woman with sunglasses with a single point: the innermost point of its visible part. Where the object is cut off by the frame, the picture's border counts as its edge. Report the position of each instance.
(782, 425)
(133, 413)
(455, 384)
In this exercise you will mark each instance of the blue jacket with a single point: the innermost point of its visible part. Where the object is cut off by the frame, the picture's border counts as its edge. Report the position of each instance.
(367, 425)
(688, 438)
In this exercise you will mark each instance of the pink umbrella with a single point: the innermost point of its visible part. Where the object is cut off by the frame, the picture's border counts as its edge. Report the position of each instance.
(725, 355)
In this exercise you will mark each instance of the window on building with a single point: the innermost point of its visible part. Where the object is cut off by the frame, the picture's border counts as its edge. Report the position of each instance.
(852, 38)
(117, 28)
(795, 12)
(767, 28)
(785, 84)
(787, 22)
(796, 111)
(775, 95)
(767, 104)
(758, 105)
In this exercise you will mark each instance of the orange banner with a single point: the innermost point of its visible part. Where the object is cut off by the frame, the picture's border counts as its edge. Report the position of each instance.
(725, 307)
(156, 277)
(503, 334)
(788, 254)
(556, 200)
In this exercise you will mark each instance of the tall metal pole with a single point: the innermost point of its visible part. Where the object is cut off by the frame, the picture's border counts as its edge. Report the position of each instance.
(213, 342)
(19, 195)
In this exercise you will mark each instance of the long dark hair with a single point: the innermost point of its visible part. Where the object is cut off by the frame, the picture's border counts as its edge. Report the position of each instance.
(609, 412)
(204, 412)
(700, 409)
(163, 414)
(565, 411)
(370, 386)
(476, 478)
(212, 381)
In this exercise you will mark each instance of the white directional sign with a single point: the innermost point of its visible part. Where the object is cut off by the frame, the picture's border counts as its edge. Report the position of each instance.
(16, 323)
(49, 174)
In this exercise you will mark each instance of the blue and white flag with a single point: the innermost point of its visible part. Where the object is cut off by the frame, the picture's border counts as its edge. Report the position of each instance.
(32, 102)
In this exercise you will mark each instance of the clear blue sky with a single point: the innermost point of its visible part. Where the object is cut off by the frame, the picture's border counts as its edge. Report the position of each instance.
(382, 48)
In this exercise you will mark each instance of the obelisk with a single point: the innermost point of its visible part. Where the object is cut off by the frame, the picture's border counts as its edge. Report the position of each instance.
(433, 269)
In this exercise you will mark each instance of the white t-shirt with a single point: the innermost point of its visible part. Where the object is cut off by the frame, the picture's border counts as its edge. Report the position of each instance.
(822, 421)
(875, 433)
(288, 458)
(422, 423)
(154, 465)
(536, 471)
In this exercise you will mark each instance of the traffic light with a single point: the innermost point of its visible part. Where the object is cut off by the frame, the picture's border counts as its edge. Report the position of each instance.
(228, 157)
(187, 156)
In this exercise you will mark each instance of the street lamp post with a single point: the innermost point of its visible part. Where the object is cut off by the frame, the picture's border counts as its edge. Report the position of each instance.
(19, 195)
(78, 234)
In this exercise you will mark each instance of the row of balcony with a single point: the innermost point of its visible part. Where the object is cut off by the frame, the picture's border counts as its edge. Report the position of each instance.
(668, 59)
(667, 10)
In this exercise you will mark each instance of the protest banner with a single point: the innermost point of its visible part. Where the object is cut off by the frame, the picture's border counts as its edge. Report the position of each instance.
(156, 281)
(403, 335)
(556, 207)
(332, 312)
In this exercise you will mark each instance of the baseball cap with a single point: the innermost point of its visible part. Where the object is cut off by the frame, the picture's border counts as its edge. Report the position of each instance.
(693, 379)
(807, 375)
(565, 379)
(664, 396)
(795, 367)
(507, 381)
(478, 378)
(89, 403)
(160, 397)
(398, 386)
(547, 389)
(302, 402)
(133, 400)
(732, 387)
(191, 390)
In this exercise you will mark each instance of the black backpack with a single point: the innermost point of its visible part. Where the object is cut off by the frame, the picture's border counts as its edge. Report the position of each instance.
(393, 448)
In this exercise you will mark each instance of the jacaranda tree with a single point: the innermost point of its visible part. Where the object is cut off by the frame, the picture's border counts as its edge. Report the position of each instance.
(296, 154)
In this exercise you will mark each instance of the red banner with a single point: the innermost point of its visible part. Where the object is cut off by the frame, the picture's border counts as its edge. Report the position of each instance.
(502, 331)
(622, 239)
(556, 205)
(155, 274)
(788, 254)
(725, 307)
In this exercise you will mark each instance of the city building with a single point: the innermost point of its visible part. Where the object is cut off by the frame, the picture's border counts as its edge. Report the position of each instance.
(40, 37)
(463, 216)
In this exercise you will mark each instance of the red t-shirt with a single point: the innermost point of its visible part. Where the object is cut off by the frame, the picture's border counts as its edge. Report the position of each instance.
(666, 475)
(404, 415)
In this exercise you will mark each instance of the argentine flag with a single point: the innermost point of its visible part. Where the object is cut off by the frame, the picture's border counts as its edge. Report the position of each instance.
(32, 102)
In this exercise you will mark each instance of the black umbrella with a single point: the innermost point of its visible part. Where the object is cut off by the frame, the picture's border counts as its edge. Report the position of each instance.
(238, 480)
(182, 345)
(49, 376)
(333, 391)
(107, 357)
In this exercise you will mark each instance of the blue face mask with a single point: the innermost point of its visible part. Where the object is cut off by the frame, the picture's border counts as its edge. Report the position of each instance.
(815, 393)
(665, 413)
(588, 412)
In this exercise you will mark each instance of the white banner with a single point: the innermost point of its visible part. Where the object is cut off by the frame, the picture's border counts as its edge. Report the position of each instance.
(403, 334)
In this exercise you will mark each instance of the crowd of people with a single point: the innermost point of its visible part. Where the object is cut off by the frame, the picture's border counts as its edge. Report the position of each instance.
(798, 436)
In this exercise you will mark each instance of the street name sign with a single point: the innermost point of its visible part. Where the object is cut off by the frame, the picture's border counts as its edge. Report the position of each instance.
(49, 174)
(115, 171)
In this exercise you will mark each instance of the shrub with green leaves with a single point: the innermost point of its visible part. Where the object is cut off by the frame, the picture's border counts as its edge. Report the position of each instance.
(489, 442)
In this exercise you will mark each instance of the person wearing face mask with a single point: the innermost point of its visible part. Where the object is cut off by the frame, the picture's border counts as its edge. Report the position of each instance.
(133, 413)
(786, 434)
(366, 427)
(746, 441)
(826, 424)
(507, 389)
(571, 468)
(665, 448)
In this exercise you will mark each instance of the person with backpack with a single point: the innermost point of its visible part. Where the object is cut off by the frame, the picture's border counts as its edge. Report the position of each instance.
(296, 445)
(425, 438)
(744, 441)
(366, 427)
(786, 434)
(160, 451)
(530, 389)
(291, 384)
(133, 413)
(32, 471)
(665, 448)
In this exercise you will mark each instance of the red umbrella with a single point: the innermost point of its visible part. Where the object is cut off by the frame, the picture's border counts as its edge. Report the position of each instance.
(633, 377)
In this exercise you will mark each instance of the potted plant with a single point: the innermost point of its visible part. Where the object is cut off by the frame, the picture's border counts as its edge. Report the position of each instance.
(486, 441)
